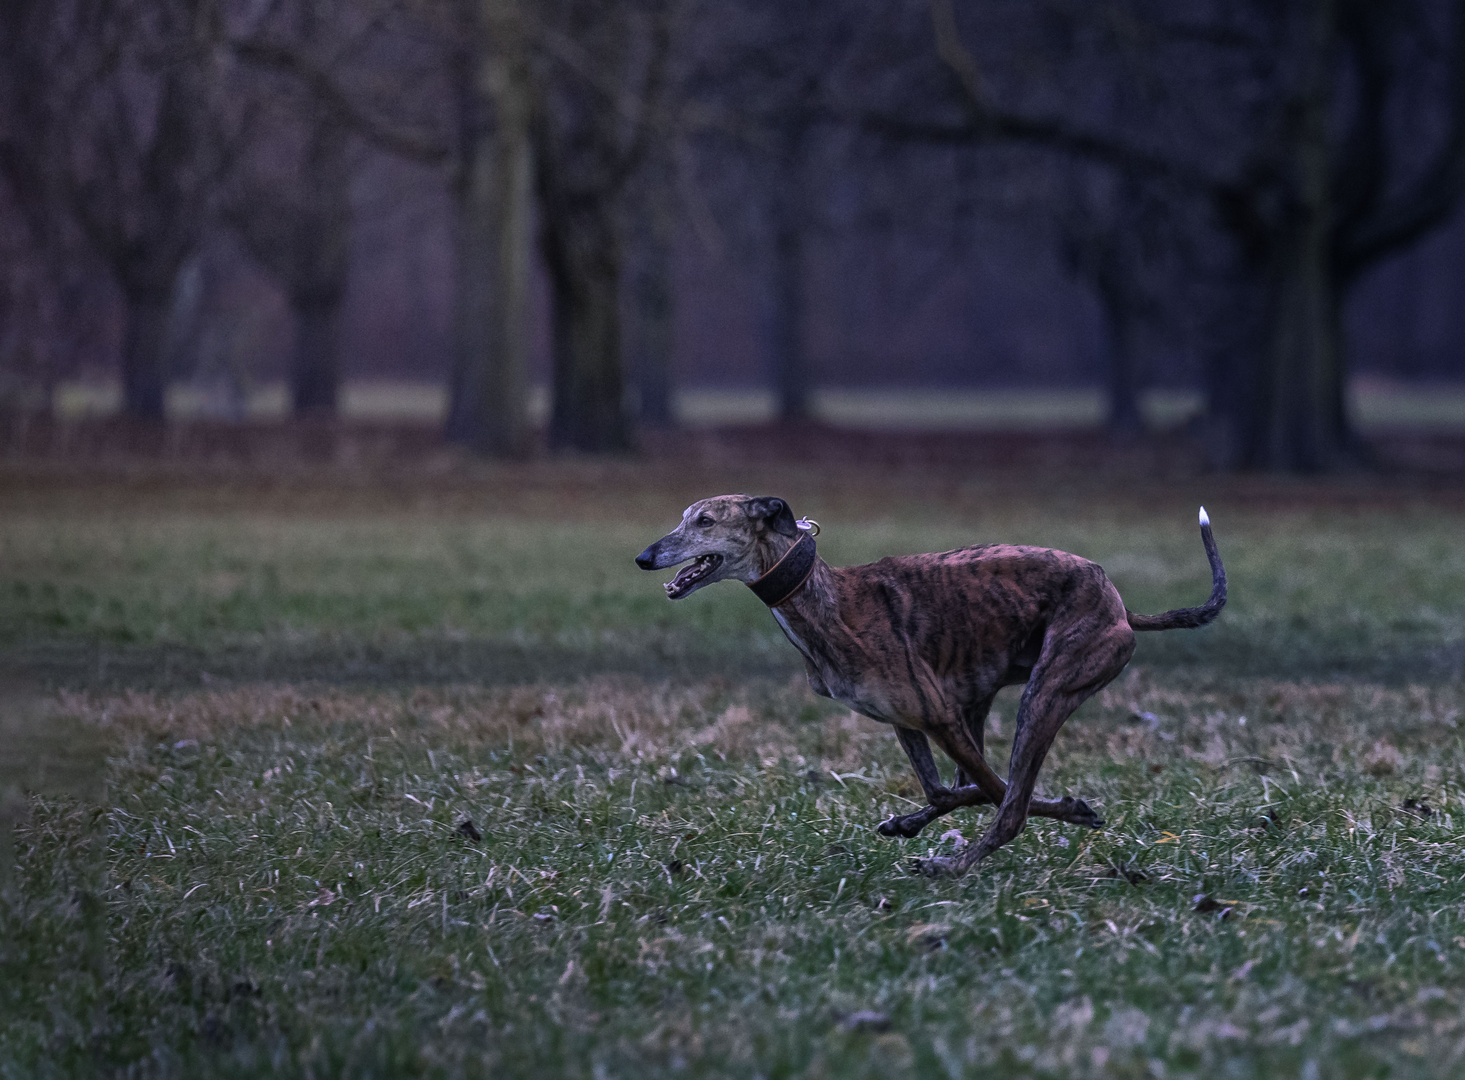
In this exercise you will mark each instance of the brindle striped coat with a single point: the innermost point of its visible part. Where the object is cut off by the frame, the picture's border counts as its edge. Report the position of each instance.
(924, 642)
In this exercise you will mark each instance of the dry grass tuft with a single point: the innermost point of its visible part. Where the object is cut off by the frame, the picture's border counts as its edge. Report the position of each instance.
(620, 719)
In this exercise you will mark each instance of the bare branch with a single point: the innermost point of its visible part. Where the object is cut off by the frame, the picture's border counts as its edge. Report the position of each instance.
(1436, 194)
(415, 144)
(988, 124)
(1360, 171)
(955, 55)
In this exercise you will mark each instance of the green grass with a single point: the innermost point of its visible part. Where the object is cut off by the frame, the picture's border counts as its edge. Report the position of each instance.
(1378, 593)
(249, 726)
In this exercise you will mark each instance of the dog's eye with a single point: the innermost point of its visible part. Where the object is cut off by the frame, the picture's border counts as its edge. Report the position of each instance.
(704, 522)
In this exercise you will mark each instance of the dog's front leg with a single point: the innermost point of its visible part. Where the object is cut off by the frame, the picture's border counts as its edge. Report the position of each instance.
(940, 799)
(976, 725)
(918, 748)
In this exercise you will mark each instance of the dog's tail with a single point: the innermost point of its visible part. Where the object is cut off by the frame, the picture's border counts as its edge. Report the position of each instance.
(1190, 617)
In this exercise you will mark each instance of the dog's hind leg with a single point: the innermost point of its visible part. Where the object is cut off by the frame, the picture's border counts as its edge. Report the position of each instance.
(959, 733)
(1074, 666)
(1073, 811)
(941, 800)
(907, 826)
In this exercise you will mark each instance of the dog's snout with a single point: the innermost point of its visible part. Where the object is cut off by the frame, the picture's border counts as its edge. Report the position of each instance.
(647, 559)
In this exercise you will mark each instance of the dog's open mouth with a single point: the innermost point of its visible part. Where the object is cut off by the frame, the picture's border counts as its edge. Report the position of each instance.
(689, 575)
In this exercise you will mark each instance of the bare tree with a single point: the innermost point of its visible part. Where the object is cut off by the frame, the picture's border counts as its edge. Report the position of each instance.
(289, 199)
(55, 303)
(1121, 238)
(601, 75)
(552, 111)
(650, 303)
(1308, 202)
(475, 73)
(1323, 202)
(28, 319)
(784, 296)
(491, 178)
(124, 123)
(768, 80)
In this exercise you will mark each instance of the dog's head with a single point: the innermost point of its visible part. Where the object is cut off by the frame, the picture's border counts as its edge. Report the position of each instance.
(725, 537)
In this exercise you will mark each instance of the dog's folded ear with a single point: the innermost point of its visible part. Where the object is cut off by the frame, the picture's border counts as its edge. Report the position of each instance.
(775, 511)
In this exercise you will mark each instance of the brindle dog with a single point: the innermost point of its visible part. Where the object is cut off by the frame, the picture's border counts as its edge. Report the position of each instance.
(924, 642)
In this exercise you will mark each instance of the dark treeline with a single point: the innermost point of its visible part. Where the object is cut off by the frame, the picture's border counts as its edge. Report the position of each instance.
(1217, 177)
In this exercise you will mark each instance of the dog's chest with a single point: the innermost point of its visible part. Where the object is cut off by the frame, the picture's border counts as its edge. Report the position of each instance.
(816, 664)
(826, 677)
(791, 634)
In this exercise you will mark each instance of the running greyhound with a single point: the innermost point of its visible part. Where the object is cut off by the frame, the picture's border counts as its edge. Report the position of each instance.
(924, 642)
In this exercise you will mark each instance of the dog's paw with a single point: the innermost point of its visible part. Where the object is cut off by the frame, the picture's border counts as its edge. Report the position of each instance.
(934, 866)
(902, 827)
(1083, 814)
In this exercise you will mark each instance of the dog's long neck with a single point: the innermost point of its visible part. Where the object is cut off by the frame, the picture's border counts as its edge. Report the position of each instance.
(810, 619)
(816, 604)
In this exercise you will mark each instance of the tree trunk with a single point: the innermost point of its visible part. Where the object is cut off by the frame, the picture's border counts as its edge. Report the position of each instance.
(503, 406)
(1233, 370)
(1278, 399)
(321, 257)
(144, 348)
(784, 296)
(314, 372)
(469, 221)
(785, 319)
(653, 339)
(303, 239)
(589, 411)
(1276, 379)
(650, 333)
(1120, 362)
(493, 242)
(1304, 426)
(472, 225)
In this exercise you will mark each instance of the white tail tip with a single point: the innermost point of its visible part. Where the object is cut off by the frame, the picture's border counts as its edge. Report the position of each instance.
(1205, 518)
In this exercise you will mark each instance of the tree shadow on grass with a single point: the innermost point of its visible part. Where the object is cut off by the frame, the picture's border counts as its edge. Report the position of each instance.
(407, 661)
(1309, 653)
(1255, 649)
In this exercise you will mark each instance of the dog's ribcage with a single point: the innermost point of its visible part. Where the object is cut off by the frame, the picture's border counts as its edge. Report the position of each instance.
(970, 618)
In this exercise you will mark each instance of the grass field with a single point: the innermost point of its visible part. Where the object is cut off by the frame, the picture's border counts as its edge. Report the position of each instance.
(245, 718)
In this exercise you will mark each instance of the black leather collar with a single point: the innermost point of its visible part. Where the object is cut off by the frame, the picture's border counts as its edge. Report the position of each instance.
(787, 576)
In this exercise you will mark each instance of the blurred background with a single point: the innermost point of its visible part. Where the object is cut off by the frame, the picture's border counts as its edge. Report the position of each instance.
(572, 225)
